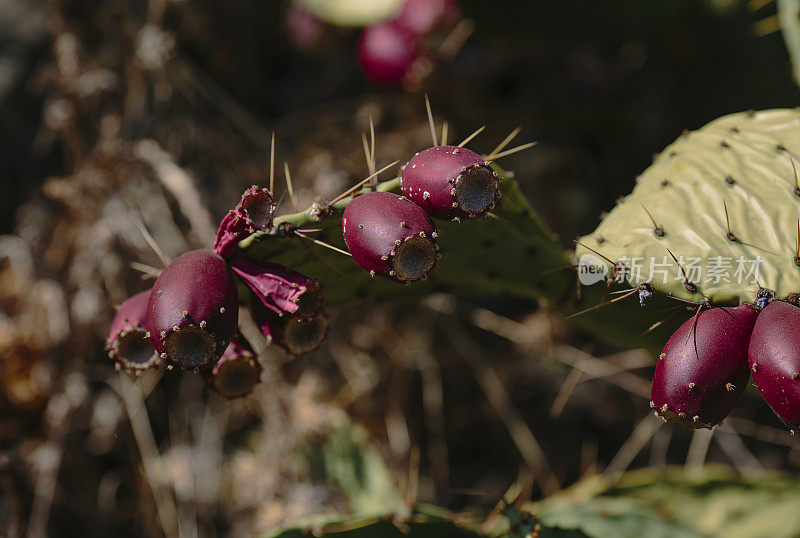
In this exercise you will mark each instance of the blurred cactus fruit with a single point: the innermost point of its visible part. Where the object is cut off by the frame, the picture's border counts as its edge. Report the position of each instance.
(702, 371)
(296, 334)
(280, 289)
(775, 360)
(304, 30)
(252, 214)
(423, 16)
(236, 372)
(193, 310)
(390, 236)
(128, 342)
(450, 182)
(387, 53)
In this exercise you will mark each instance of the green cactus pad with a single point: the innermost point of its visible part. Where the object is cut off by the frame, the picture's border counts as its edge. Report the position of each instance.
(743, 162)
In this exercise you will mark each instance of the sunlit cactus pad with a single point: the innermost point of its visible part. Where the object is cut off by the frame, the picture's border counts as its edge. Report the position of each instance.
(744, 162)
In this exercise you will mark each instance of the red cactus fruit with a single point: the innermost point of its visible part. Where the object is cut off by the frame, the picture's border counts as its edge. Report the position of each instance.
(775, 360)
(297, 335)
(387, 52)
(279, 288)
(236, 373)
(702, 371)
(128, 342)
(193, 310)
(389, 235)
(422, 16)
(252, 214)
(451, 182)
(304, 30)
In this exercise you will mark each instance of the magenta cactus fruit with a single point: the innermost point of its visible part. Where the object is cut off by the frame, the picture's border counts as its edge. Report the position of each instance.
(702, 371)
(423, 16)
(128, 342)
(387, 52)
(775, 360)
(304, 30)
(193, 310)
(297, 335)
(389, 235)
(450, 182)
(252, 214)
(280, 289)
(236, 372)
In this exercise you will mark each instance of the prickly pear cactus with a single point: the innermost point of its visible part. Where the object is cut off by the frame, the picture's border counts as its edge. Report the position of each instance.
(715, 217)
(509, 253)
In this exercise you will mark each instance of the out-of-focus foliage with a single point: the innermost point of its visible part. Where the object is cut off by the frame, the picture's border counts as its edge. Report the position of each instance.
(686, 502)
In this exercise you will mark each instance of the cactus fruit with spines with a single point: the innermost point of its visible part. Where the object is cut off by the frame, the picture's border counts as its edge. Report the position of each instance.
(451, 183)
(128, 341)
(702, 371)
(775, 360)
(193, 310)
(390, 236)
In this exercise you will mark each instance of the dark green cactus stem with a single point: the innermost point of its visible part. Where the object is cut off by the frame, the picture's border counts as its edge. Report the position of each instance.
(509, 253)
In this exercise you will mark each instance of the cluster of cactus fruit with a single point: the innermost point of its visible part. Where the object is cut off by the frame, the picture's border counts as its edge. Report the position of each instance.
(189, 318)
(726, 195)
(396, 51)
(400, 50)
(392, 235)
(738, 330)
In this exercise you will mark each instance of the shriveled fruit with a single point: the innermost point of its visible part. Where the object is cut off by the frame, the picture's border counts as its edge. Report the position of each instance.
(252, 214)
(280, 289)
(450, 182)
(702, 371)
(389, 235)
(193, 310)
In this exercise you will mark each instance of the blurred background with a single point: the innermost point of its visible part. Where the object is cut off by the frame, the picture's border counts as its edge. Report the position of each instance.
(128, 114)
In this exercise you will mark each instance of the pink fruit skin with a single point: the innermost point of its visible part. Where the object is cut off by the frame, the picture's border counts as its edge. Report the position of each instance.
(429, 177)
(712, 358)
(304, 30)
(252, 214)
(199, 284)
(131, 314)
(278, 287)
(775, 360)
(373, 223)
(422, 16)
(387, 52)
